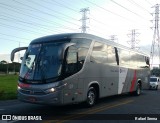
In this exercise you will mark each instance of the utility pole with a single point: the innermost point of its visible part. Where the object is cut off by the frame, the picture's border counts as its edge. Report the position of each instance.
(155, 48)
(84, 19)
(133, 42)
(114, 38)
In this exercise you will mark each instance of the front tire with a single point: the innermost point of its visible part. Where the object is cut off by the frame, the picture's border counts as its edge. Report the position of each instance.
(91, 97)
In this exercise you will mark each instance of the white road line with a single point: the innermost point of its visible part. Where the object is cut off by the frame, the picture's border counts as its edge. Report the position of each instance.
(2, 109)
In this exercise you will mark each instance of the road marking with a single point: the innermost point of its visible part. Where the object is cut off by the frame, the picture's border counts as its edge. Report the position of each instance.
(2, 109)
(91, 111)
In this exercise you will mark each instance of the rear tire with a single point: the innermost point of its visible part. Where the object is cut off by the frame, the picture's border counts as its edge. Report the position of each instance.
(91, 97)
(138, 90)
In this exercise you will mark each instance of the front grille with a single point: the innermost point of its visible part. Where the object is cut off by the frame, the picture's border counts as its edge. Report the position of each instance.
(32, 92)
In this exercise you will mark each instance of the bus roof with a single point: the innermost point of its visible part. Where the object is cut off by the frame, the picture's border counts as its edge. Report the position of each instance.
(64, 36)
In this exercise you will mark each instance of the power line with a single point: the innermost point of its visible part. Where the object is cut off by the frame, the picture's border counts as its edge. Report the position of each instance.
(14, 36)
(77, 12)
(148, 2)
(29, 15)
(131, 1)
(42, 12)
(108, 11)
(14, 27)
(52, 10)
(13, 40)
(29, 25)
(127, 9)
(62, 5)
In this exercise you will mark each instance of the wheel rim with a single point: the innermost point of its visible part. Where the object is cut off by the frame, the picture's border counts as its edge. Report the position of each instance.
(138, 90)
(91, 97)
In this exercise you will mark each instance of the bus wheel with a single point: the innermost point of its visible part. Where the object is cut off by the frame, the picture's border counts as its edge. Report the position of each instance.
(138, 90)
(91, 97)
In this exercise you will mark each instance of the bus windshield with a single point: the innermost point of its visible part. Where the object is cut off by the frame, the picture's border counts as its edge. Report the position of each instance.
(42, 62)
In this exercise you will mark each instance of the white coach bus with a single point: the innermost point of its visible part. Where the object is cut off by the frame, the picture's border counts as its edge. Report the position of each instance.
(77, 67)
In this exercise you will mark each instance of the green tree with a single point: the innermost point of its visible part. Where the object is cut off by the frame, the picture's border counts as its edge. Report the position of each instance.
(155, 72)
(3, 62)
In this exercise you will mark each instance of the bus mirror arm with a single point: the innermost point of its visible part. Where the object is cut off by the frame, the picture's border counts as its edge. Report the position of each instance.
(16, 50)
(65, 46)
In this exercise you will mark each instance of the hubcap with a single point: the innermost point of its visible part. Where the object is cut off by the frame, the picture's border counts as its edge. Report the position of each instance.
(91, 97)
(138, 90)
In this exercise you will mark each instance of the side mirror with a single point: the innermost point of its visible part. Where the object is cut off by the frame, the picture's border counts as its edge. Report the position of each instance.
(71, 60)
(16, 50)
(65, 46)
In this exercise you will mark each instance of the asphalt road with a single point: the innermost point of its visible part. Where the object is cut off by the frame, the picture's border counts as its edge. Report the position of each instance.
(114, 109)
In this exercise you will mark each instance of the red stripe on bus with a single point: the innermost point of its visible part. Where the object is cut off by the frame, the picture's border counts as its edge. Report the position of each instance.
(133, 82)
(23, 85)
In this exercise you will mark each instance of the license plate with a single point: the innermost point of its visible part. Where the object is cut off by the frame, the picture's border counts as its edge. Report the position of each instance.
(32, 99)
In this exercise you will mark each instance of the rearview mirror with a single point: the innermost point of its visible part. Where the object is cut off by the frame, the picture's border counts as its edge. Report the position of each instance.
(16, 50)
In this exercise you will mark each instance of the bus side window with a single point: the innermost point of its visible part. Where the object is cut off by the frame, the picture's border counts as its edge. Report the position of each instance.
(71, 61)
(133, 60)
(111, 55)
(82, 47)
(99, 54)
(124, 56)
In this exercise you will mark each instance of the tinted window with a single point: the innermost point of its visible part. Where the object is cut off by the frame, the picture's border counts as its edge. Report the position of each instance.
(71, 61)
(141, 60)
(82, 46)
(124, 57)
(111, 55)
(99, 53)
(133, 60)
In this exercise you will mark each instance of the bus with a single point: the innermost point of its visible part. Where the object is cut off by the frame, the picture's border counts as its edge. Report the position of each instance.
(77, 67)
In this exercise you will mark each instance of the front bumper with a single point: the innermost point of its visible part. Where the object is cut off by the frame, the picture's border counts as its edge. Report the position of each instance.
(153, 86)
(49, 99)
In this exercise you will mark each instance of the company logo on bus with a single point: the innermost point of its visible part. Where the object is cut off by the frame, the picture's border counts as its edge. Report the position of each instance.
(122, 70)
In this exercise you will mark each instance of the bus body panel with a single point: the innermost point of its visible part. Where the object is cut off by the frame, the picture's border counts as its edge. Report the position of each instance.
(112, 79)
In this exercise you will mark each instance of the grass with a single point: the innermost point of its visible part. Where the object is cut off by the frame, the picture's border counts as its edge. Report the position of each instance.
(8, 87)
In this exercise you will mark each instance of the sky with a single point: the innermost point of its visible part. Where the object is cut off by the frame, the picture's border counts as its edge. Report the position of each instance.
(21, 21)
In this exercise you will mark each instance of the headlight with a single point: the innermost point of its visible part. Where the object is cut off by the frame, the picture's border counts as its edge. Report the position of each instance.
(18, 87)
(51, 90)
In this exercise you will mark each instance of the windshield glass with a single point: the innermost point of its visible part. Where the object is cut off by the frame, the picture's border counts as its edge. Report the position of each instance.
(42, 61)
(153, 79)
